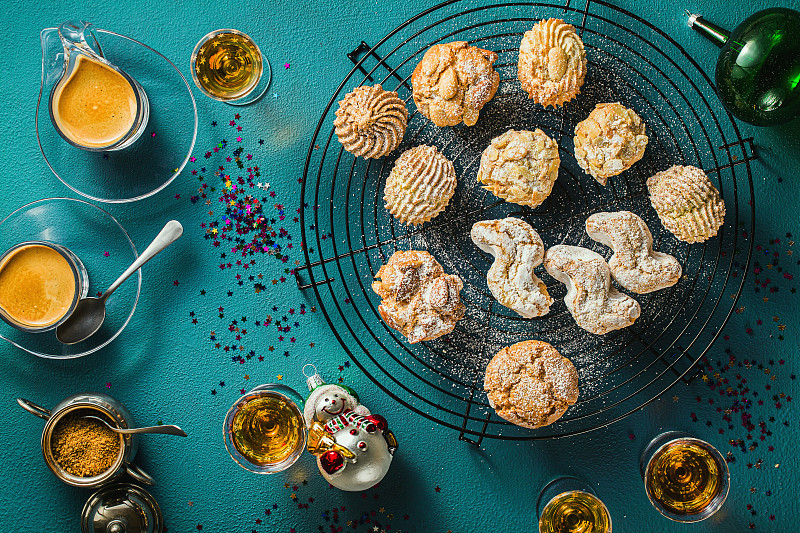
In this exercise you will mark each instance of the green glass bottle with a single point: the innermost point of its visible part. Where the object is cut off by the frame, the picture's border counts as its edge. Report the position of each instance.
(758, 70)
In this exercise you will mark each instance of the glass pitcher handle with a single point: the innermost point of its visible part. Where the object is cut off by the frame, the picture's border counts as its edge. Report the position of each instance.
(79, 34)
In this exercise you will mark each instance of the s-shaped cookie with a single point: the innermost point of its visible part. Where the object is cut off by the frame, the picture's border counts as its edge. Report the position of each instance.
(596, 306)
(634, 264)
(517, 250)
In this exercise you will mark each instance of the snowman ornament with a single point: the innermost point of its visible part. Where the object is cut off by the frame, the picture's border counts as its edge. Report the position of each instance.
(354, 448)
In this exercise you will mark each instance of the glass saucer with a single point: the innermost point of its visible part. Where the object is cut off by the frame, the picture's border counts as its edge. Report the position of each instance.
(155, 159)
(104, 248)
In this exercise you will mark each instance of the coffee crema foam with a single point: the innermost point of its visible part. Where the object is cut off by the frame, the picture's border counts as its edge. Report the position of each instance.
(96, 106)
(37, 286)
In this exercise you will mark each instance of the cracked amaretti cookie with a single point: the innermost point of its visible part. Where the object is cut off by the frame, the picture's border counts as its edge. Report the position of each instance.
(531, 384)
(418, 298)
(517, 250)
(453, 82)
(609, 141)
(635, 265)
(520, 166)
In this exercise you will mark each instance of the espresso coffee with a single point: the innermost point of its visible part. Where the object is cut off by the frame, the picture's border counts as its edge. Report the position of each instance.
(37, 286)
(96, 106)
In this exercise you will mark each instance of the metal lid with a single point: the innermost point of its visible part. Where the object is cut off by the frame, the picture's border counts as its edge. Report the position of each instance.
(121, 508)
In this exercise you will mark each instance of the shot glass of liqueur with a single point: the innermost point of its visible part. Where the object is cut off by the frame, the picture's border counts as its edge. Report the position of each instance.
(569, 505)
(228, 66)
(686, 479)
(264, 430)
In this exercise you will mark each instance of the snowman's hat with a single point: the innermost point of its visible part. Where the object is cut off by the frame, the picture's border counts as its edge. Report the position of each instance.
(315, 381)
(318, 388)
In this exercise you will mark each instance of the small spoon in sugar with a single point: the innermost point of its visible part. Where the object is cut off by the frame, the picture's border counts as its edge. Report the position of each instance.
(166, 429)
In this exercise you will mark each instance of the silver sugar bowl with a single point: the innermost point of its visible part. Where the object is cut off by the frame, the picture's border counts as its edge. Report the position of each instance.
(94, 404)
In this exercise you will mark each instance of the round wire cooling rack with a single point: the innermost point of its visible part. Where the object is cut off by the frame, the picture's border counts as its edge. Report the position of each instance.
(348, 234)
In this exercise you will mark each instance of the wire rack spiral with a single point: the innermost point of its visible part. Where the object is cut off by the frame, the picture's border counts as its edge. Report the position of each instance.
(348, 234)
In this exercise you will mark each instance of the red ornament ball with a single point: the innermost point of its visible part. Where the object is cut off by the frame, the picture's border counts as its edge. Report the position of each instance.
(331, 461)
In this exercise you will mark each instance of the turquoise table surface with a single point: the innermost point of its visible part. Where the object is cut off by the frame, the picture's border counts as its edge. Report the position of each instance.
(204, 333)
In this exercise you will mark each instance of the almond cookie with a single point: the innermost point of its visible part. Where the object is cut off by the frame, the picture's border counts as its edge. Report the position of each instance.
(453, 82)
(520, 166)
(517, 250)
(595, 305)
(610, 140)
(530, 384)
(552, 62)
(417, 298)
(420, 185)
(634, 264)
(371, 122)
(687, 203)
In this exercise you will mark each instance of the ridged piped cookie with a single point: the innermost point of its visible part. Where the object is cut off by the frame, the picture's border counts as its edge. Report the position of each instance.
(420, 185)
(552, 62)
(687, 203)
(371, 122)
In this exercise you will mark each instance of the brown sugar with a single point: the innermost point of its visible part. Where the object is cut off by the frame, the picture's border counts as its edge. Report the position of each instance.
(84, 447)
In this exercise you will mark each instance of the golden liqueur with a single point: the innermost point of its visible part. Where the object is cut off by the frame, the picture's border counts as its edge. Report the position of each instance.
(684, 478)
(268, 429)
(575, 512)
(228, 65)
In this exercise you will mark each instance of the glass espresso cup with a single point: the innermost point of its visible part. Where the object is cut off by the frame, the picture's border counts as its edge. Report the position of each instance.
(686, 479)
(264, 430)
(97, 121)
(40, 284)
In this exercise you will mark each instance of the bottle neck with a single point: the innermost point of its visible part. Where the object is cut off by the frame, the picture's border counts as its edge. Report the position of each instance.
(711, 31)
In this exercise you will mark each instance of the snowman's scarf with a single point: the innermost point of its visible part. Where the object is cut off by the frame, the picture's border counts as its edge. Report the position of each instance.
(347, 418)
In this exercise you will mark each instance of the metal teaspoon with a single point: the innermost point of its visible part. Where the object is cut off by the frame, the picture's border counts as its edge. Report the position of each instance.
(90, 312)
(167, 429)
